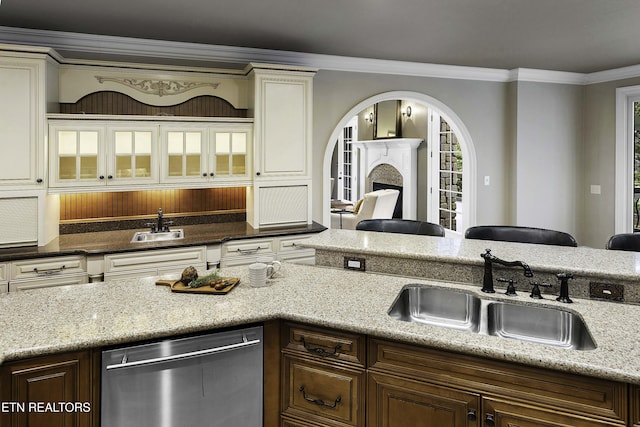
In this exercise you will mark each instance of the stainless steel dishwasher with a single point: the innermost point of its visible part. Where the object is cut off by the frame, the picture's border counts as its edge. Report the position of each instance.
(212, 380)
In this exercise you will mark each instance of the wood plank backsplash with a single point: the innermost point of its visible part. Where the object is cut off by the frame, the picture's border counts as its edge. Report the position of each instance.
(79, 206)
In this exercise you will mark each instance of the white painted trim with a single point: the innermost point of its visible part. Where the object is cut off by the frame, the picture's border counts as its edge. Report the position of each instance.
(547, 76)
(468, 150)
(195, 52)
(624, 158)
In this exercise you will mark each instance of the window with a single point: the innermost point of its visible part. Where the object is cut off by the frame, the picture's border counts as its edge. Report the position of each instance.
(445, 186)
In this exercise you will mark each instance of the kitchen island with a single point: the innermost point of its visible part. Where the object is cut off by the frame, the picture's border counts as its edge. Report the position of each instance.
(99, 315)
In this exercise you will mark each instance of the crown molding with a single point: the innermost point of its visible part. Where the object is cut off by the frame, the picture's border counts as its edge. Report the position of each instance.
(547, 76)
(196, 52)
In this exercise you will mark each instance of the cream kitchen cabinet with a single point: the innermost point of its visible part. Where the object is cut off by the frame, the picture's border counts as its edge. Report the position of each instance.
(284, 248)
(4, 277)
(28, 88)
(46, 272)
(282, 101)
(154, 262)
(197, 154)
(115, 155)
(98, 154)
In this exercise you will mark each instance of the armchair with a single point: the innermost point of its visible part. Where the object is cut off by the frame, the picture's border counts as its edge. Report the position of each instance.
(376, 204)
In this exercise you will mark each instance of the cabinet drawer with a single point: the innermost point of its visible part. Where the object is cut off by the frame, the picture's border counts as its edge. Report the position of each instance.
(4, 273)
(48, 267)
(162, 258)
(25, 285)
(325, 344)
(244, 248)
(292, 243)
(323, 393)
(568, 393)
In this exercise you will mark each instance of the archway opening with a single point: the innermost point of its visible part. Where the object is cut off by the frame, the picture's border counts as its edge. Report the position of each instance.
(420, 124)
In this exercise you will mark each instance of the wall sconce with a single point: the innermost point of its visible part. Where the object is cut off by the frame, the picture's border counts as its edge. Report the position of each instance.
(369, 117)
(407, 111)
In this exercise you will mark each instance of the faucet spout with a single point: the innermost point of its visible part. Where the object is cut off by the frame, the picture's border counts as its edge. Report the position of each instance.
(489, 259)
(160, 226)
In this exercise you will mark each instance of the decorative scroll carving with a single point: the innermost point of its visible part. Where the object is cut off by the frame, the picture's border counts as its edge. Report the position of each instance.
(157, 87)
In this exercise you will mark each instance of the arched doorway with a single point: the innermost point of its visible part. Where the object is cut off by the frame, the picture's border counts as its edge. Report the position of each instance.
(456, 126)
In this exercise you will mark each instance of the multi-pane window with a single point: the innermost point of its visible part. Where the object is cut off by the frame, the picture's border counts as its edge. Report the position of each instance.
(450, 178)
(347, 170)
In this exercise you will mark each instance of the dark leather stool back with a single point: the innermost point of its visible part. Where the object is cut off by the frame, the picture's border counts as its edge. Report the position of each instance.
(624, 242)
(403, 226)
(506, 233)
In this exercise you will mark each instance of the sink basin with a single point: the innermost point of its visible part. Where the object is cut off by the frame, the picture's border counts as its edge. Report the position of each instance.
(542, 325)
(148, 236)
(456, 309)
(437, 306)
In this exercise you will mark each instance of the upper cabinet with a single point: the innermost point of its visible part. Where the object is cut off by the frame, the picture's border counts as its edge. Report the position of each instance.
(28, 88)
(136, 154)
(282, 101)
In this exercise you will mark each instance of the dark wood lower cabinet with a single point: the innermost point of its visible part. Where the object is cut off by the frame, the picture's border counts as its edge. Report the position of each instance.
(634, 403)
(506, 413)
(50, 391)
(397, 402)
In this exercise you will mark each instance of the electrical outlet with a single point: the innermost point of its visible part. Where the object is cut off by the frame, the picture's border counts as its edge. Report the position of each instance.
(354, 263)
(606, 291)
(487, 180)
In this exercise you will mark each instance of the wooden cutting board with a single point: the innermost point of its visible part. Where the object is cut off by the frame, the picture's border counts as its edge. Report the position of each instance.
(178, 286)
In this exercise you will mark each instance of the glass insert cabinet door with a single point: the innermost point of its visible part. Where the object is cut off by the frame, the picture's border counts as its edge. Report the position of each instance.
(77, 156)
(229, 154)
(184, 154)
(132, 157)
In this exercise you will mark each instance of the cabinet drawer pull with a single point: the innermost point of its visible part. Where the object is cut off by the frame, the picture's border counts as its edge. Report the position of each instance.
(320, 402)
(321, 351)
(249, 251)
(49, 272)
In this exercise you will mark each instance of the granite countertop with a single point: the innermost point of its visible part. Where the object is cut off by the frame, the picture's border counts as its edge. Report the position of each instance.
(586, 261)
(105, 242)
(103, 314)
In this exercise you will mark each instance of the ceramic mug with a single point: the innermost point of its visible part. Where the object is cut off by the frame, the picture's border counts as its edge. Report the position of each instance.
(269, 261)
(258, 273)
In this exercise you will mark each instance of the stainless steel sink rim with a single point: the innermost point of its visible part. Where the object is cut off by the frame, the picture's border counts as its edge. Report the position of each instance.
(541, 325)
(148, 236)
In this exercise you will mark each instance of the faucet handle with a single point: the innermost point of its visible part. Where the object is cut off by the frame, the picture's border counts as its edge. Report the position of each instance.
(535, 290)
(564, 287)
(511, 289)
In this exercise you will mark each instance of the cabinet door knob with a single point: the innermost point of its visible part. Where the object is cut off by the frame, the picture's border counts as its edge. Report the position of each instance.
(489, 420)
(257, 173)
(472, 415)
(110, 177)
(204, 174)
(101, 177)
(39, 180)
(212, 174)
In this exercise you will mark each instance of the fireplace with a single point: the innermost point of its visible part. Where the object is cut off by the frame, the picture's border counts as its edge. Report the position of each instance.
(401, 154)
(397, 212)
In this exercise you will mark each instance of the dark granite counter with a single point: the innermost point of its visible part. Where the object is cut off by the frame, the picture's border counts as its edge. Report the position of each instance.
(105, 242)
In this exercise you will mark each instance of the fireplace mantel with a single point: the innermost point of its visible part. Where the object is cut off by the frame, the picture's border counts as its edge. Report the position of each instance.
(401, 153)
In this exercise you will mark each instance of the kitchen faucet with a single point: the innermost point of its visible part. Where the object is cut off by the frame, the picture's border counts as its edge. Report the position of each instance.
(489, 259)
(160, 225)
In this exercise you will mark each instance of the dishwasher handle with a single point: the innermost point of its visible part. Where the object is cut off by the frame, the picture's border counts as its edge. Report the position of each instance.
(199, 353)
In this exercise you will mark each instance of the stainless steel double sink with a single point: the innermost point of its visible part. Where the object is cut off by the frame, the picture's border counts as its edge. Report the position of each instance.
(457, 309)
(157, 236)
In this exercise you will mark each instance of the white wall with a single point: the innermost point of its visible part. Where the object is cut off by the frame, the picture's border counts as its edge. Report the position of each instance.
(548, 156)
(482, 106)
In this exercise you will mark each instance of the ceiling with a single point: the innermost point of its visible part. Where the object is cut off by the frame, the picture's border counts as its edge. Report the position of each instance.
(564, 35)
